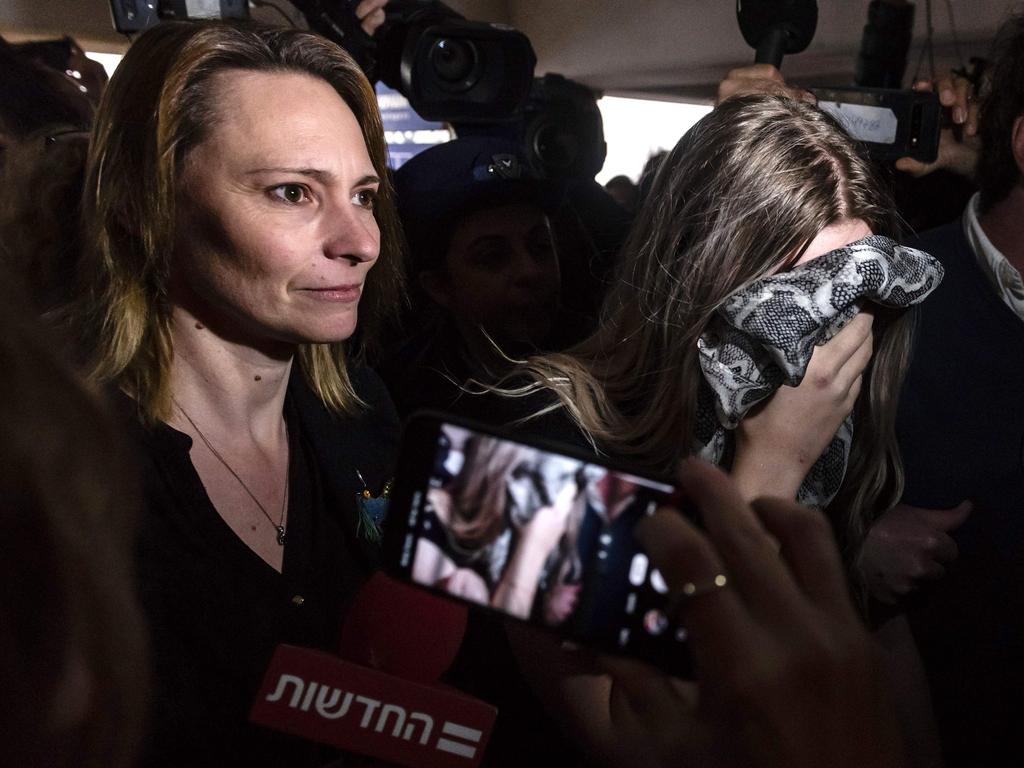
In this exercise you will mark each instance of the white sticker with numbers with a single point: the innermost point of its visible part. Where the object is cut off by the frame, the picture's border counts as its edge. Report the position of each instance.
(874, 124)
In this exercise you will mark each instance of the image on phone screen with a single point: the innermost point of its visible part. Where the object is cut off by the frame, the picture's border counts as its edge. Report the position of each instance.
(541, 536)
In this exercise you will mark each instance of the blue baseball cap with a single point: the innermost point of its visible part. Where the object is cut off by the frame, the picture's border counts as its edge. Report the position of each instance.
(451, 180)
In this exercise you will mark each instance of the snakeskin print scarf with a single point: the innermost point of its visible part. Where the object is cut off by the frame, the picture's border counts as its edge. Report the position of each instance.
(764, 334)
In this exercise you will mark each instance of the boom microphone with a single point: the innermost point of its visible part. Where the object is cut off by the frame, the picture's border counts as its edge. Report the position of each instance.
(777, 27)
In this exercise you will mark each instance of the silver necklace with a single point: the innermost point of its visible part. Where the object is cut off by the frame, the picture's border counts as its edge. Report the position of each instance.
(279, 526)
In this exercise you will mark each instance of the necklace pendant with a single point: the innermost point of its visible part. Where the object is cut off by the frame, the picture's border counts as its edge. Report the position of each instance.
(280, 534)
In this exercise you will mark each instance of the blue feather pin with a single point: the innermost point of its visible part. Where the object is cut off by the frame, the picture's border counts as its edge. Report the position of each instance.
(372, 510)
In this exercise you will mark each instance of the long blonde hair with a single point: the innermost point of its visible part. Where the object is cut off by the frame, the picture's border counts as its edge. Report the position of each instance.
(746, 188)
(158, 106)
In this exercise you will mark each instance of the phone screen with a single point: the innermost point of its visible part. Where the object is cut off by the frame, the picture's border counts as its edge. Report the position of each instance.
(536, 534)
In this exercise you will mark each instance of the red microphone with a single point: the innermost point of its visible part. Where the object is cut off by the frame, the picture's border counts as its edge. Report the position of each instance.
(403, 630)
(382, 699)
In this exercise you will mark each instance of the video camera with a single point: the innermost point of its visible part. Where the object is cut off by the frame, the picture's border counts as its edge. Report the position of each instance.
(563, 133)
(447, 67)
(476, 75)
(132, 16)
(560, 130)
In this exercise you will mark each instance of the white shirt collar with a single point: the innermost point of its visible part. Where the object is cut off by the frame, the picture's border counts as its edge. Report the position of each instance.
(1005, 279)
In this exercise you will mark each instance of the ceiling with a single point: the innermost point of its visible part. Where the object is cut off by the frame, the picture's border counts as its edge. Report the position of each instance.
(668, 48)
(685, 47)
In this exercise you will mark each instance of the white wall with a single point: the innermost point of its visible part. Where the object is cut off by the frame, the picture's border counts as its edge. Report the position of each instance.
(635, 129)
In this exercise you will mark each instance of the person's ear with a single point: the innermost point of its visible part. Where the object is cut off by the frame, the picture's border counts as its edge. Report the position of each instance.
(1017, 142)
(436, 286)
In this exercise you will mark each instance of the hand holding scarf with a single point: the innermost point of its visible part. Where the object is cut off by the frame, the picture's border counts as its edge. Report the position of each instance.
(764, 334)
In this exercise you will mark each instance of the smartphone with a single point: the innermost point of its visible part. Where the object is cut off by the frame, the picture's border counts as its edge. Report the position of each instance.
(539, 532)
(892, 123)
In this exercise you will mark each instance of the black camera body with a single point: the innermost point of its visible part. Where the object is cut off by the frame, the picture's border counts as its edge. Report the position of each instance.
(563, 132)
(449, 69)
(456, 70)
(136, 15)
(891, 123)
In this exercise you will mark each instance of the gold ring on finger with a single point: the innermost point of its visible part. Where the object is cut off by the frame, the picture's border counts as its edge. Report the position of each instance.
(692, 590)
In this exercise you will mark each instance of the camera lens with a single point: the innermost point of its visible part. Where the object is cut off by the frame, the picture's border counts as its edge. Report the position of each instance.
(454, 61)
(555, 148)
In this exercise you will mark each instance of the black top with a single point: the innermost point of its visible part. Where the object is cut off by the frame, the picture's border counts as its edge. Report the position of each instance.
(434, 368)
(961, 433)
(216, 610)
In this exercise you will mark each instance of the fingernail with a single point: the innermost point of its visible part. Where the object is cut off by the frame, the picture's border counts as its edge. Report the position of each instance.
(959, 114)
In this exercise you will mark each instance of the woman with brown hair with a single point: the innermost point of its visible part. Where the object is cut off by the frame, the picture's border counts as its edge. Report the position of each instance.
(760, 321)
(765, 234)
(237, 221)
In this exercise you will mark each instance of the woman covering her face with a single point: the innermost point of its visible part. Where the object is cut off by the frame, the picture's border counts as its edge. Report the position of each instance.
(759, 303)
(759, 320)
(239, 229)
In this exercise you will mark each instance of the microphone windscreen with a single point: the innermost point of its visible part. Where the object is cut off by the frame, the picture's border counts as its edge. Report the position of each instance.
(403, 630)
